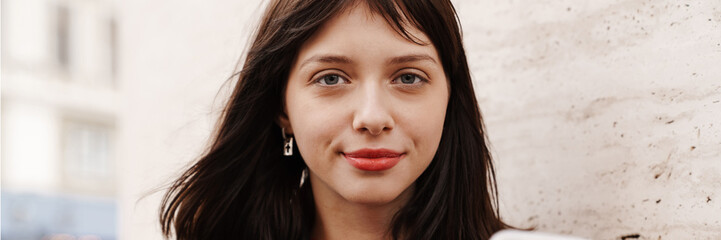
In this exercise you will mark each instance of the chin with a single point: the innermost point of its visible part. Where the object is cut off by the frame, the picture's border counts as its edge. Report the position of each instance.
(375, 199)
(373, 194)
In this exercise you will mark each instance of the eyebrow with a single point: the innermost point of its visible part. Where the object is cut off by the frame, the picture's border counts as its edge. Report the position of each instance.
(327, 59)
(346, 60)
(410, 58)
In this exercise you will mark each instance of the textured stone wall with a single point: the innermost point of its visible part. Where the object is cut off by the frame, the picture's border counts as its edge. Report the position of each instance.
(604, 116)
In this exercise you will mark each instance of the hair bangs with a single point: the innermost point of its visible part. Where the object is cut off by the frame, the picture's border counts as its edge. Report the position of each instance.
(398, 15)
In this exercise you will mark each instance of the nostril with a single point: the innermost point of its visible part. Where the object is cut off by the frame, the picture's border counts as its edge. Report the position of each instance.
(376, 131)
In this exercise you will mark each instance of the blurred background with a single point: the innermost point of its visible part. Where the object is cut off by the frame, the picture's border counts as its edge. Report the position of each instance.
(603, 116)
(59, 117)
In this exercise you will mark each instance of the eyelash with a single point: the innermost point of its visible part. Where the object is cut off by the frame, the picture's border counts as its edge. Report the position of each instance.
(321, 78)
(420, 79)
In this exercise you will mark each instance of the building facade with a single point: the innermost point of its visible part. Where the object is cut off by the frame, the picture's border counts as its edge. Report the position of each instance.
(59, 107)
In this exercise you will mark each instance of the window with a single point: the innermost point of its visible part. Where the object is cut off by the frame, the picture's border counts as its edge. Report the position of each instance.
(62, 33)
(87, 157)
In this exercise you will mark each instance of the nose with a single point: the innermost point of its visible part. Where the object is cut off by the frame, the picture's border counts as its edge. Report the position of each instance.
(373, 113)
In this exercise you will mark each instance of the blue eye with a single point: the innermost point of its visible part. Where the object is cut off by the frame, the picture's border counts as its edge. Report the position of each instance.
(409, 78)
(331, 79)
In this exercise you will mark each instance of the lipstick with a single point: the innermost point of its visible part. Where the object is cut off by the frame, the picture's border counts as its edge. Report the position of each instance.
(373, 159)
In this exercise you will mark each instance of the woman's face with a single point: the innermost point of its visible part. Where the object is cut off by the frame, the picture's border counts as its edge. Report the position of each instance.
(366, 107)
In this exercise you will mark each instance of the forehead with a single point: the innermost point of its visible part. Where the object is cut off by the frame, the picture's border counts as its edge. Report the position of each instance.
(359, 30)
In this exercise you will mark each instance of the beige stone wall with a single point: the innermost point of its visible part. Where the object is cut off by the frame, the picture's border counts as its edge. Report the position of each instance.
(603, 115)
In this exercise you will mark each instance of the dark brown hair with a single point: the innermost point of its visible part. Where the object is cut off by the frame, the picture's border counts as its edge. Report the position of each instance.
(243, 187)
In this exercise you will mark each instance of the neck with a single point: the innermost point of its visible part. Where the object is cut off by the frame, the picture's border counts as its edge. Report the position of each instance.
(337, 218)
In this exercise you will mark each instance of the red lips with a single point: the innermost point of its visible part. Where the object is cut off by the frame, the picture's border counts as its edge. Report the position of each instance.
(373, 159)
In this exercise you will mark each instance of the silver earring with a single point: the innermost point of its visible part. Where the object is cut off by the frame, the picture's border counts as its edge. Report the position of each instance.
(303, 176)
(288, 145)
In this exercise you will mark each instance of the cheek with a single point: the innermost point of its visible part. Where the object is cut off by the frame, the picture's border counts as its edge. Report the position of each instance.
(424, 124)
(315, 125)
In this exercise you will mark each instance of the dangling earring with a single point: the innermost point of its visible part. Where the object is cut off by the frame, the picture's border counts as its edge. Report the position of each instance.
(303, 176)
(288, 145)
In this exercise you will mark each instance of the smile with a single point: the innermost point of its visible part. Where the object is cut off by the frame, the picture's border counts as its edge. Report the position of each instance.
(373, 159)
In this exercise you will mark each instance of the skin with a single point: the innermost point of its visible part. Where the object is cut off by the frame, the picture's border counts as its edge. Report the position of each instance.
(346, 93)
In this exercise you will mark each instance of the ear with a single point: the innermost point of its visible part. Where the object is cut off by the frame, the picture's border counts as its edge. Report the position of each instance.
(283, 121)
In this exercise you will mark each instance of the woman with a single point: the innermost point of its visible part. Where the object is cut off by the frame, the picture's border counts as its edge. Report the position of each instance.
(350, 120)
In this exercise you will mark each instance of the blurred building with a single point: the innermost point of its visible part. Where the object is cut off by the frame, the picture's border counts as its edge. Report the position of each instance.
(59, 106)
